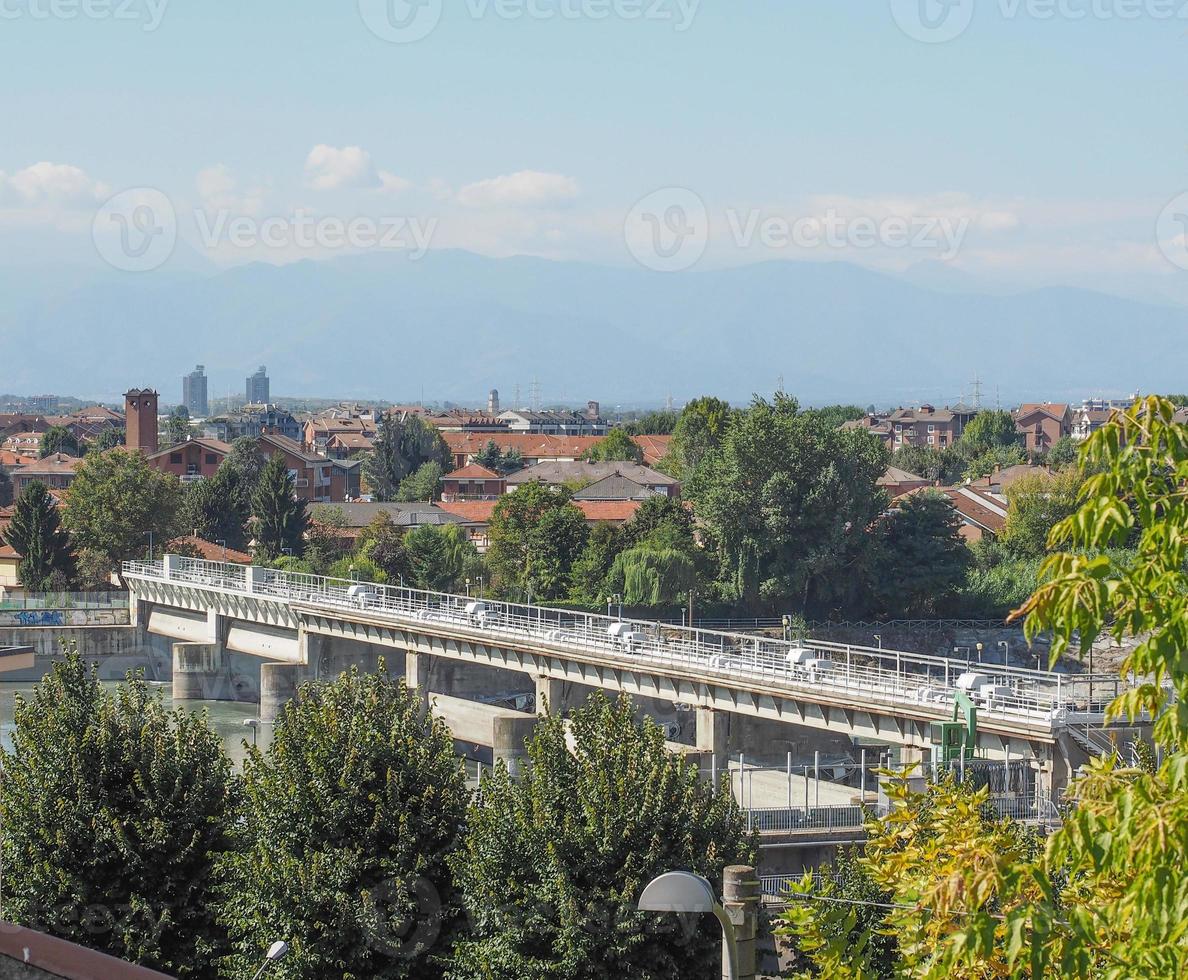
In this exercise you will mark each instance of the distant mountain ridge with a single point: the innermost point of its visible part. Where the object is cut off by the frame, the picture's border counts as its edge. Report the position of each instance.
(454, 324)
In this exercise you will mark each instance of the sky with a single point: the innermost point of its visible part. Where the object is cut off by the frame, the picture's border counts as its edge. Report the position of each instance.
(1016, 143)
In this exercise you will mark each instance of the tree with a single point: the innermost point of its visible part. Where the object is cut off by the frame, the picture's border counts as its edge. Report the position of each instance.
(1036, 504)
(589, 572)
(698, 431)
(989, 430)
(424, 484)
(351, 817)
(58, 439)
(107, 439)
(439, 558)
(491, 456)
(553, 864)
(787, 500)
(654, 573)
(1063, 453)
(244, 465)
(215, 509)
(177, 426)
(652, 424)
(380, 542)
(116, 502)
(1107, 897)
(47, 560)
(924, 558)
(946, 465)
(115, 812)
(5, 487)
(280, 517)
(618, 446)
(655, 513)
(402, 446)
(535, 536)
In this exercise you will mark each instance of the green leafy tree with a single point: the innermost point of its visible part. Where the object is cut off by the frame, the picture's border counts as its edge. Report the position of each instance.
(698, 431)
(115, 812)
(652, 424)
(589, 572)
(381, 542)
(839, 414)
(924, 559)
(554, 863)
(351, 817)
(244, 464)
(216, 510)
(618, 446)
(787, 500)
(491, 456)
(47, 560)
(989, 430)
(107, 439)
(654, 573)
(424, 484)
(1063, 453)
(116, 502)
(402, 446)
(5, 487)
(440, 558)
(535, 536)
(280, 517)
(58, 439)
(1036, 504)
(177, 427)
(947, 465)
(991, 460)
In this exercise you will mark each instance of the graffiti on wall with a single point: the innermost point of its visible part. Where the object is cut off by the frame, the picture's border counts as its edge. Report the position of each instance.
(40, 617)
(13, 618)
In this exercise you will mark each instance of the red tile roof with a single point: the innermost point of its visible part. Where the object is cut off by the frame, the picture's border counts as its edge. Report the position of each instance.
(472, 471)
(655, 448)
(530, 445)
(479, 511)
(211, 551)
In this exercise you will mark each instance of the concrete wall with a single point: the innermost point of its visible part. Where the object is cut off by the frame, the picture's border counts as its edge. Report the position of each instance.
(117, 649)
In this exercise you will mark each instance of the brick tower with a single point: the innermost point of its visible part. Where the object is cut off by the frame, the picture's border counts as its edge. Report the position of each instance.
(140, 413)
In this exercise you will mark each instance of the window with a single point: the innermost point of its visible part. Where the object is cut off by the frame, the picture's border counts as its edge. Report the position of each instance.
(931, 427)
(931, 439)
(211, 459)
(175, 457)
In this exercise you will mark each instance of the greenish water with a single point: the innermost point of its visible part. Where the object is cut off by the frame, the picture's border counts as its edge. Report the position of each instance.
(225, 717)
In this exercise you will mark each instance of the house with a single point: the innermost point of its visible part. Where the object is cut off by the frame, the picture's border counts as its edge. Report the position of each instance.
(587, 423)
(616, 487)
(655, 448)
(532, 448)
(1043, 424)
(473, 482)
(897, 482)
(14, 422)
(556, 473)
(1086, 421)
(928, 426)
(345, 445)
(874, 424)
(55, 471)
(196, 459)
(312, 474)
(475, 515)
(27, 444)
(208, 550)
(351, 517)
(318, 434)
(9, 559)
(982, 513)
(1001, 479)
(254, 420)
(346, 477)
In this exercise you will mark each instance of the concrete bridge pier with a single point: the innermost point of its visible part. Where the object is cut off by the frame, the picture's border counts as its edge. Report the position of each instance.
(550, 696)
(713, 732)
(508, 737)
(278, 686)
(417, 668)
(200, 673)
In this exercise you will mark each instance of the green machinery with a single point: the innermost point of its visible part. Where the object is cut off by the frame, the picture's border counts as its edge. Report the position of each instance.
(958, 738)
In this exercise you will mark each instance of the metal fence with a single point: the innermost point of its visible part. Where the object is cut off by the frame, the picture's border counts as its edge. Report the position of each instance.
(65, 600)
(877, 676)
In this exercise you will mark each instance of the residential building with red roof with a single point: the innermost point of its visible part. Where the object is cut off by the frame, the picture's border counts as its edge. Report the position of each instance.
(1043, 424)
(55, 471)
(473, 482)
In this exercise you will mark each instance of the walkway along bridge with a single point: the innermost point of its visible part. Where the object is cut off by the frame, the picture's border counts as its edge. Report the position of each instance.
(297, 623)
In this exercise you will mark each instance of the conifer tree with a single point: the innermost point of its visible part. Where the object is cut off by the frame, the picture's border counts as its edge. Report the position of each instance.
(36, 534)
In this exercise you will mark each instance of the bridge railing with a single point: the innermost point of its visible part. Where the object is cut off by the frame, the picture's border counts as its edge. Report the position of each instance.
(868, 673)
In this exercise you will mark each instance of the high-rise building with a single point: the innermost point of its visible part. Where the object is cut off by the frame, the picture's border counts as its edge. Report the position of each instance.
(257, 387)
(194, 393)
(140, 420)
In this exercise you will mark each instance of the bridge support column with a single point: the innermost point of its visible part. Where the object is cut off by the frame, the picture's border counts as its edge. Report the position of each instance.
(198, 673)
(713, 727)
(550, 698)
(740, 900)
(278, 686)
(416, 675)
(508, 738)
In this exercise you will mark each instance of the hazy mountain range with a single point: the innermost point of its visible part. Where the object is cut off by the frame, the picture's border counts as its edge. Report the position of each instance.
(454, 324)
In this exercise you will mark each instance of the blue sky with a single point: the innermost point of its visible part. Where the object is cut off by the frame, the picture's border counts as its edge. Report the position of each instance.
(534, 127)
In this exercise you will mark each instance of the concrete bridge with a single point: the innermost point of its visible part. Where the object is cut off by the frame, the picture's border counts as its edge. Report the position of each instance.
(304, 626)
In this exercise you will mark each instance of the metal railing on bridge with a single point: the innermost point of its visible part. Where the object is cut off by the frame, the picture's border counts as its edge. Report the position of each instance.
(65, 600)
(872, 676)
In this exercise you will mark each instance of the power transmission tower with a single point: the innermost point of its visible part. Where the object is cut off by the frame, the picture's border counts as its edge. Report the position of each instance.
(977, 392)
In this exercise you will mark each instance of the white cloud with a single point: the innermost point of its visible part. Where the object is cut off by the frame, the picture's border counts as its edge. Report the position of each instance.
(52, 184)
(220, 191)
(330, 168)
(950, 206)
(527, 188)
(391, 184)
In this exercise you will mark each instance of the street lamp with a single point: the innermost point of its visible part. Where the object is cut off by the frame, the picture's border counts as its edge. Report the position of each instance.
(254, 725)
(224, 544)
(1006, 652)
(680, 891)
(276, 952)
(980, 648)
(149, 535)
(879, 640)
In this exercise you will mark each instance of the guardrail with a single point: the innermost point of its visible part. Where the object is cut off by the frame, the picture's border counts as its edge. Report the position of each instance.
(868, 674)
(66, 600)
